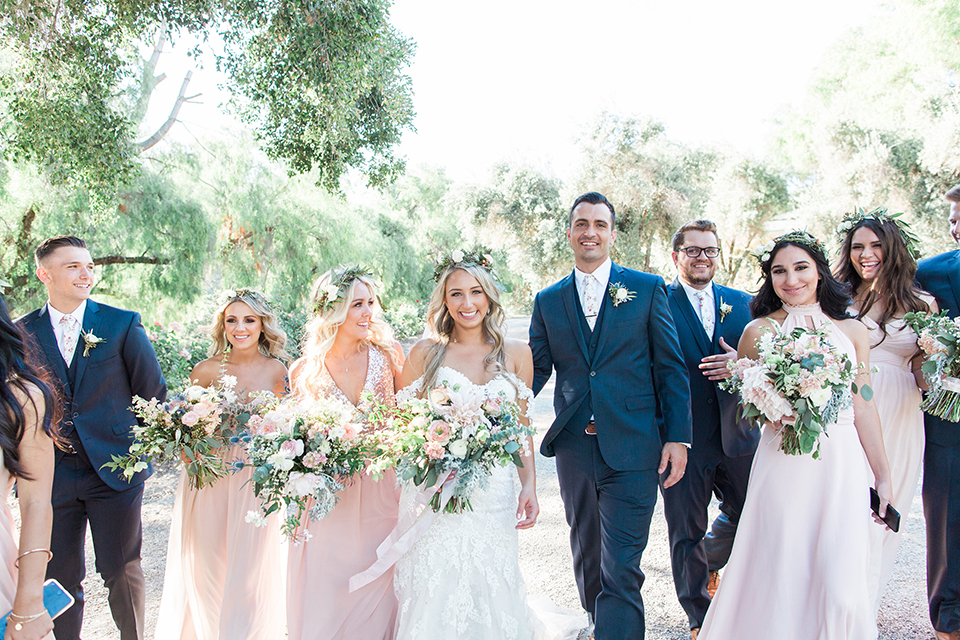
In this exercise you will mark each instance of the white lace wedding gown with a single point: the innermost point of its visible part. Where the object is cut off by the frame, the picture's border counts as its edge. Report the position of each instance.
(462, 580)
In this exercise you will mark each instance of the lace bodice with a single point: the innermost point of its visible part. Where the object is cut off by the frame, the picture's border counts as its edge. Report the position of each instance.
(378, 383)
(505, 384)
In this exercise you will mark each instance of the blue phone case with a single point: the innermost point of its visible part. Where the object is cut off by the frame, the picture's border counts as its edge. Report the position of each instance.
(56, 600)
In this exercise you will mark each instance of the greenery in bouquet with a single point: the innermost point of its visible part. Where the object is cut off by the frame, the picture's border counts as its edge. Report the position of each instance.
(938, 337)
(455, 429)
(193, 427)
(303, 452)
(798, 381)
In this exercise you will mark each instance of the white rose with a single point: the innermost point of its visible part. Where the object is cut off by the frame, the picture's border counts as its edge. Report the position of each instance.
(280, 461)
(194, 392)
(229, 382)
(324, 447)
(457, 255)
(301, 484)
(331, 291)
(458, 448)
(821, 397)
(254, 518)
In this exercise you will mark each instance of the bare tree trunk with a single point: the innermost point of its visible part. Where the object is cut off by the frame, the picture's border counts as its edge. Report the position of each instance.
(148, 81)
(166, 126)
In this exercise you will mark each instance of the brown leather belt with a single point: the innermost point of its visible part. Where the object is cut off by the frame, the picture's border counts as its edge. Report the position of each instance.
(591, 429)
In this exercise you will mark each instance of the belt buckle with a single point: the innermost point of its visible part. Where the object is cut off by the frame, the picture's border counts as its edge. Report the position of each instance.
(591, 429)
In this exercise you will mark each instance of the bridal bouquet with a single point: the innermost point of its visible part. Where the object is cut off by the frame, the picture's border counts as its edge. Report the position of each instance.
(456, 432)
(798, 380)
(192, 427)
(302, 453)
(938, 337)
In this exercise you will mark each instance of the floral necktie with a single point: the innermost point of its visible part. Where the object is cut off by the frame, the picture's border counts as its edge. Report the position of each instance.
(591, 306)
(706, 313)
(68, 341)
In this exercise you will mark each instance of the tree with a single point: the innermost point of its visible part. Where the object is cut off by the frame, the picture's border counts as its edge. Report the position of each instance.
(322, 83)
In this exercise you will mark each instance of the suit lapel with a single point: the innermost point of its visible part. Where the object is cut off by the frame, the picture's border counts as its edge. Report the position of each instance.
(690, 316)
(91, 322)
(569, 296)
(716, 319)
(953, 269)
(606, 315)
(48, 342)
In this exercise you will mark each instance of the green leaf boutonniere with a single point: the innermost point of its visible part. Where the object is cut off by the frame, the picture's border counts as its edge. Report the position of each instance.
(90, 341)
(724, 309)
(619, 294)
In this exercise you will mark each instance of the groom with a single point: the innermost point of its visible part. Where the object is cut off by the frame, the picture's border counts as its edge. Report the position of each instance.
(609, 334)
(940, 275)
(99, 357)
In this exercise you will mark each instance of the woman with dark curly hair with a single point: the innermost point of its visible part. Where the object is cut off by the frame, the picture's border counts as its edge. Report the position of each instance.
(877, 259)
(26, 438)
(798, 569)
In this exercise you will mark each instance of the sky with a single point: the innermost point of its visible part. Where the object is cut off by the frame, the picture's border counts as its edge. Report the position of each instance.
(522, 80)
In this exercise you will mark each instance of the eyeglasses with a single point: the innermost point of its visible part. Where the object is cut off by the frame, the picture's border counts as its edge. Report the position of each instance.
(693, 252)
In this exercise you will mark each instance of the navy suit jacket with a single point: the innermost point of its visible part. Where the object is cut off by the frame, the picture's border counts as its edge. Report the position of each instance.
(96, 409)
(940, 276)
(713, 408)
(637, 359)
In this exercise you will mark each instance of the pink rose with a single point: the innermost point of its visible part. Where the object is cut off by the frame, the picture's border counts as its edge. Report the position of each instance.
(350, 431)
(492, 405)
(292, 448)
(440, 395)
(434, 450)
(313, 459)
(203, 408)
(439, 432)
(189, 418)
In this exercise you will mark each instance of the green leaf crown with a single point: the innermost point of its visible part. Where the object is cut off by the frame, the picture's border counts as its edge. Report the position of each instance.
(227, 296)
(803, 238)
(341, 278)
(479, 257)
(880, 215)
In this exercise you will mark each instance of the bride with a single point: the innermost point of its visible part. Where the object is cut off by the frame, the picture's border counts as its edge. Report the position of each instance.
(462, 579)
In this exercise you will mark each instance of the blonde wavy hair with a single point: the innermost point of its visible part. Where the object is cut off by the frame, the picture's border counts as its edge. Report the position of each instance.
(320, 332)
(440, 323)
(273, 339)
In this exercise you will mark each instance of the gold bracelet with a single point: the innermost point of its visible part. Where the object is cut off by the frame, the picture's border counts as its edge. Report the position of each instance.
(16, 562)
(20, 620)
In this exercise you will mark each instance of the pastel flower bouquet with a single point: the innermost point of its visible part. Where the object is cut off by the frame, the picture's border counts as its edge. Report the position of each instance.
(799, 381)
(455, 435)
(303, 452)
(938, 338)
(193, 427)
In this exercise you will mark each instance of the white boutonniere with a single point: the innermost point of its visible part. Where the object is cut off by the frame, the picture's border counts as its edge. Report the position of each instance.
(724, 309)
(619, 294)
(90, 341)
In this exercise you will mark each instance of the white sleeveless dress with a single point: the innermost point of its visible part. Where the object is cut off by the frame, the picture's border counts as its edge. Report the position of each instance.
(799, 565)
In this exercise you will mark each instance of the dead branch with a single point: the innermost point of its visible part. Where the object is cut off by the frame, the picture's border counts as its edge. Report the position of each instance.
(166, 126)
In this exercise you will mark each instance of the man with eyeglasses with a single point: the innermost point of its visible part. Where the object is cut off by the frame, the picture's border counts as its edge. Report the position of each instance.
(710, 319)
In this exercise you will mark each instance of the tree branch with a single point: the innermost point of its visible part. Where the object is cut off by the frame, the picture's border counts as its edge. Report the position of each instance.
(129, 260)
(26, 227)
(166, 126)
(149, 81)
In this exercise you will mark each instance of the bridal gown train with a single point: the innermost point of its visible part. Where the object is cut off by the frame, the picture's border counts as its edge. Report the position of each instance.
(798, 569)
(898, 402)
(462, 579)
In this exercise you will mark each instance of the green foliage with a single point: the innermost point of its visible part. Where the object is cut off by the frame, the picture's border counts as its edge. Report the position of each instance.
(406, 319)
(178, 351)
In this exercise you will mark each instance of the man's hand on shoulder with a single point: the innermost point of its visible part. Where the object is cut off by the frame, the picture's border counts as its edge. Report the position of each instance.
(674, 455)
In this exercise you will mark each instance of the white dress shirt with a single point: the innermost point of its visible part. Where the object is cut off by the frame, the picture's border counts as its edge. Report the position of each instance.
(60, 331)
(709, 303)
(602, 276)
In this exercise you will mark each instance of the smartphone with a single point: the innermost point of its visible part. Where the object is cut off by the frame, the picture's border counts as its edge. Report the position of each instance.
(56, 600)
(892, 519)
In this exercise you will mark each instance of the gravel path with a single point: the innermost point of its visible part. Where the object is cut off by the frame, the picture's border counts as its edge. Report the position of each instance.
(544, 557)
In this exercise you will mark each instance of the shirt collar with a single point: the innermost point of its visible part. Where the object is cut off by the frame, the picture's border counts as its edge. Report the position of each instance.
(692, 293)
(56, 316)
(601, 273)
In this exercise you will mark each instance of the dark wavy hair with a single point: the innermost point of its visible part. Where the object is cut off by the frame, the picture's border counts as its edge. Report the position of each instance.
(16, 373)
(833, 295)
(894, 283)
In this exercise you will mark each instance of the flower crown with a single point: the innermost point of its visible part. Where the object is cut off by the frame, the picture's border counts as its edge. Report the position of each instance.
(231, 295)
(339, 285)
(803, 238)
(479, 257)
(880, 215)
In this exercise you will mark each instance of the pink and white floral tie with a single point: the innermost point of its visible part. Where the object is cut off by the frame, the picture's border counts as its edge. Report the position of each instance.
(706, 313)
(68, 342)
(591, 306)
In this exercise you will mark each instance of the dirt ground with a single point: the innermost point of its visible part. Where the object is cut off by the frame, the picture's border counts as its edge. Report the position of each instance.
(544, 557)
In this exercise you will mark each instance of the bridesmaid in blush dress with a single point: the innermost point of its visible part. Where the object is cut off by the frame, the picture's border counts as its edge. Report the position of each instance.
(223, 579)
(26, 433)
(798, 569)
(877, 260)
(349, 354)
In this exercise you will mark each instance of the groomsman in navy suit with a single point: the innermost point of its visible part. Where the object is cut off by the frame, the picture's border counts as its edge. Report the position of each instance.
(940, 275)
(710, 319)
(609, 334)
(101, 357)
